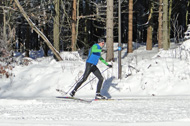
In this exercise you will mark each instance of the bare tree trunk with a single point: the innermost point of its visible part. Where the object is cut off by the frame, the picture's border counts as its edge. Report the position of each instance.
(77, 25)
(4, 26)
(150, 29)
(27, 42)
(165, 25)
(187, 13)
(1, 15)
(160, 24)
(109, 31)
(38, 31)
(130, 30)
(87, 24)
(74, 18)
(56, 26)
(169, 22)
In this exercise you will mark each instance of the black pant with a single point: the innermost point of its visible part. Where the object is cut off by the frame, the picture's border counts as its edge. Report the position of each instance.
(91, 68)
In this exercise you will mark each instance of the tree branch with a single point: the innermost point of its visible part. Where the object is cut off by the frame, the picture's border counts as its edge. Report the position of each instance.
(38, 31)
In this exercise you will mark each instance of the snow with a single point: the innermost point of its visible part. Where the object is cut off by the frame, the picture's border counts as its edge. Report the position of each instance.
(154, 89)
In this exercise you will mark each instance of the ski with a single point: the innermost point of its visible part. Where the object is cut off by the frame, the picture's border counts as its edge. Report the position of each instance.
(75, 99)
(116, 99)
(104, 99)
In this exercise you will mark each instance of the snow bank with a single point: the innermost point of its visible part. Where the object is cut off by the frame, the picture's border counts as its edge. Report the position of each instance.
(143, 73)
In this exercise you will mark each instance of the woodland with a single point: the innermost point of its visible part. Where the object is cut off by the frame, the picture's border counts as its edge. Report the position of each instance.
(72, 25)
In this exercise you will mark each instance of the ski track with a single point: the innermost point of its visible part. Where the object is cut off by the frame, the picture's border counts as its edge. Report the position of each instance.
(130, 110)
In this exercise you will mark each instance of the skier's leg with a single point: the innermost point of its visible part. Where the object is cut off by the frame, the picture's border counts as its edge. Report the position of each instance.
(98, 74)
(85, 76)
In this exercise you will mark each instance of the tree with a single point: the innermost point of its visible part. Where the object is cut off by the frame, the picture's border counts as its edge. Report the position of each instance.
(187, 12)
(56, 26)
(169, 22)
(38, 31)
(150, 27)
(160, 24)
(4, 26)
(1, 15)
(87, 23)
(165, 25)
(74, 21)
(130, 28)
(109, 31)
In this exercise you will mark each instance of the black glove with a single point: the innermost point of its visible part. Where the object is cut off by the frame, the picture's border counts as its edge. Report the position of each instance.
(110, 66)
(104, 51)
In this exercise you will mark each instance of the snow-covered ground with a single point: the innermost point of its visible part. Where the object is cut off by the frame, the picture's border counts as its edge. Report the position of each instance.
(154, 89)
(132, 111)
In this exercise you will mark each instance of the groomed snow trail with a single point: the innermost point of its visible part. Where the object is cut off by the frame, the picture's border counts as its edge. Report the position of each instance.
(132, 110)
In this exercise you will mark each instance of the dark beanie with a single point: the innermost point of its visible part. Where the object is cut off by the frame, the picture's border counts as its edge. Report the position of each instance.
(100, 40)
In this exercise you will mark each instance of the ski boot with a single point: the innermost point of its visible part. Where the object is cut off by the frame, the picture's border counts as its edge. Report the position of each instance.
(99, 96)
(72, 94)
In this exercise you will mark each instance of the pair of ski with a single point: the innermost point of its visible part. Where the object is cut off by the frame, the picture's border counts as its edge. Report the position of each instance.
(78, 99)
(82, 100)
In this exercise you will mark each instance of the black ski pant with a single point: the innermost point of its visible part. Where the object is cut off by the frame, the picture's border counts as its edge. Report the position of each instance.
(91, 68)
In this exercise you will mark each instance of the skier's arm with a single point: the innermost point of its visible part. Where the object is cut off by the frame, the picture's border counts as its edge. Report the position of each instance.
(103, 61)
(95, 49)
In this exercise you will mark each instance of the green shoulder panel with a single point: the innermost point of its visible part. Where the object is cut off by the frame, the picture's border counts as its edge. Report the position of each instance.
(95, 49)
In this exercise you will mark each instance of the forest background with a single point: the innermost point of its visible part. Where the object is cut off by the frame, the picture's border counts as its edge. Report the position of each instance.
(71, 25)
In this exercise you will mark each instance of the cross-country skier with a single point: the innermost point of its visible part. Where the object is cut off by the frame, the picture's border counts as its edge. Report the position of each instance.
(93, 57)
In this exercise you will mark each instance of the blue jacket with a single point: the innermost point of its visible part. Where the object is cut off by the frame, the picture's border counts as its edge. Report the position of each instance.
(95, 54)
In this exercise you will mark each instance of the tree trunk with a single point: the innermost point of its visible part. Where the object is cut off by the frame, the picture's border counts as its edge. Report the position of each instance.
(4, 26)
(38, 31)
(165, 25)
(87, 24)
(169, 22)
(187, 13)
(74, 19)
(130, 28)
(45, 47)
(1, 15)
(160, 39)
(27, 42)
(56, 26)
(150, 28)
(109, 31)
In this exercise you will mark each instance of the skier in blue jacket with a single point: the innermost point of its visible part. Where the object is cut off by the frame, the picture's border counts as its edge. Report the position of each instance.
(93, 57)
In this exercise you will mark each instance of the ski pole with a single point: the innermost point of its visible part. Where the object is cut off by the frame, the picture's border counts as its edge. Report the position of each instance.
(92, 79)
(73, 85)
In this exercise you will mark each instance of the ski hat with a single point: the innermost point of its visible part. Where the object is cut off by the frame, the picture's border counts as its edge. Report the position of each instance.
(100, 40)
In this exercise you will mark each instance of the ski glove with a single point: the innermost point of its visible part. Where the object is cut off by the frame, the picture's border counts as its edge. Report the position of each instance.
(103, 50)
(110, 66)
